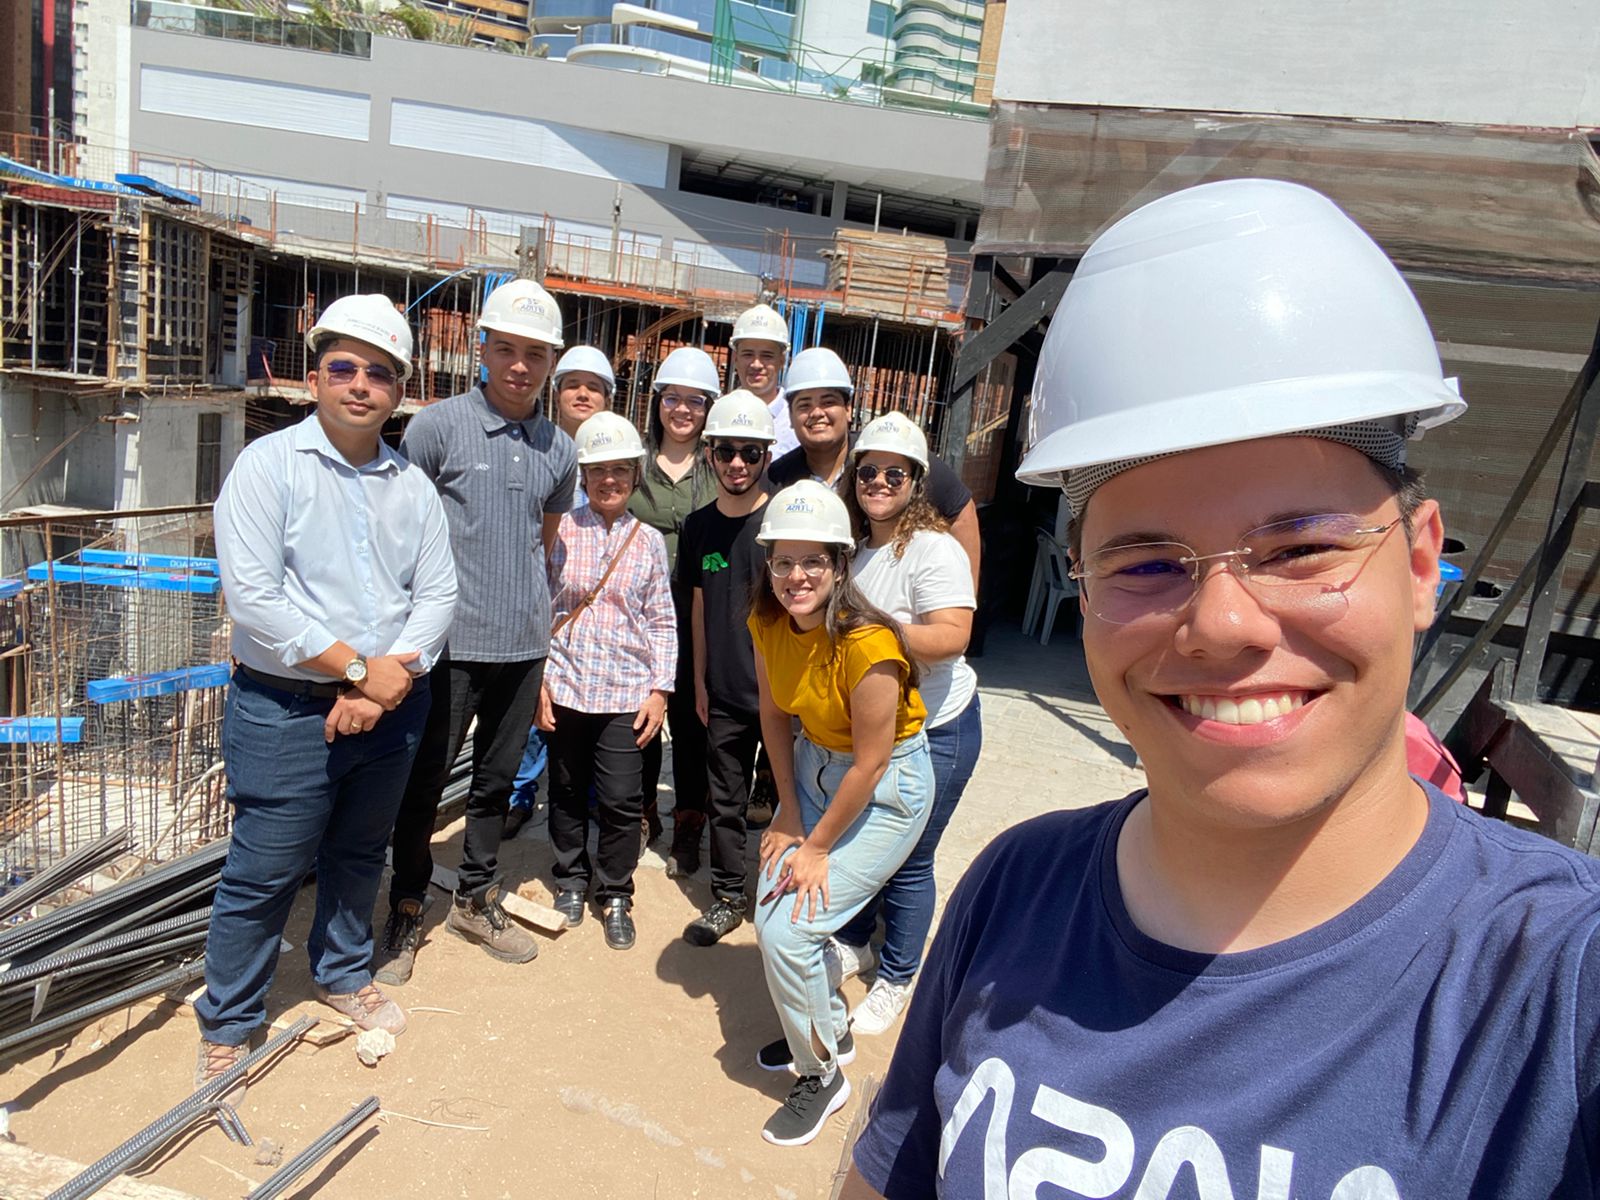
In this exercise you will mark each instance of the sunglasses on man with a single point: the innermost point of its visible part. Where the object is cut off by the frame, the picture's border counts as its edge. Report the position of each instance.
(343, 371)
(750, 454)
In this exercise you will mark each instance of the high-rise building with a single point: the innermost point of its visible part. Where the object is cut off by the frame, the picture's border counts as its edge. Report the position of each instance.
(936, 48)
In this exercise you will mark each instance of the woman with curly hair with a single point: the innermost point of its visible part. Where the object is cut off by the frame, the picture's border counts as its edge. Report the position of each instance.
(910, 566)
(853, 789)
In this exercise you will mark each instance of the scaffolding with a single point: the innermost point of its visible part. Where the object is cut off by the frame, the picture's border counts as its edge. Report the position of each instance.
(115, 666)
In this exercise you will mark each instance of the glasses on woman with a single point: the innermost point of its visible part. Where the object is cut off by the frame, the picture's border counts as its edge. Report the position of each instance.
(893, 477)
(749, 454)
(813, 565)
(671, 401)
(343, 371)
(1300, 563)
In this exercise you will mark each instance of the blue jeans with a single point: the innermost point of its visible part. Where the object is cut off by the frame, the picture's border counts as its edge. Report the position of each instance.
(908, 899)
(300, 803)
(525, 789)
(859, 864)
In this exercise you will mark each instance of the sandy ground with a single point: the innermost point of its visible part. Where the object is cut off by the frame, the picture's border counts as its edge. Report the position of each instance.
(587, 1072)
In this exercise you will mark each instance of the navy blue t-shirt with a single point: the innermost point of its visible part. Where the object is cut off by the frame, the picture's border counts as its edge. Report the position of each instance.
(1437, 1039)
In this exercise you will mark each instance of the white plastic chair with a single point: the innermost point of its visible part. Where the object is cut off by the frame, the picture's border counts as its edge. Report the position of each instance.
(1051, 585)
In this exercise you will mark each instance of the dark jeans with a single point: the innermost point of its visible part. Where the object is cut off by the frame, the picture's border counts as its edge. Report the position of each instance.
(731, 740)
(595, 750)
(300, 802)
(908, 898)
(502, 696)
(688, 745)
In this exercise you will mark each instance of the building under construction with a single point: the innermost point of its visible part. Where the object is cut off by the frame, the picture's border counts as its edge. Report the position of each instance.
(147, 331)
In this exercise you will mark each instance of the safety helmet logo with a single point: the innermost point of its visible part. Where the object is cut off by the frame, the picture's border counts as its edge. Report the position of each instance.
(801, 505)
(528, 305)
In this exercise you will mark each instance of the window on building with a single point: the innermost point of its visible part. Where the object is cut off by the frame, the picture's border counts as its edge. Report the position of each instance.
(208, 458)
(872, 73)
(880, 19)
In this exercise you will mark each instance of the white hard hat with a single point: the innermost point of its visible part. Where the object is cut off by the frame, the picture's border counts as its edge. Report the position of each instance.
(523, 308)
(817, 368)
(690, 367)
(585, 358)
(607, 437)
(807, 511)
(760, 324)
(372, 319)
(897, 434)
(1230, 311)
(743, 414)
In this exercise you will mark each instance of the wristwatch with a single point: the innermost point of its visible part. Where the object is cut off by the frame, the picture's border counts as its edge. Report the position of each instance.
(356, 671)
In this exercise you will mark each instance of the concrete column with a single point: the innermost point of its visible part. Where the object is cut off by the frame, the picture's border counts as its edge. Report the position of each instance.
(841, 195)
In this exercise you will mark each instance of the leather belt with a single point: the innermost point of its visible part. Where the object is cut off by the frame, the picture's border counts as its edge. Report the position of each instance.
(303, 688)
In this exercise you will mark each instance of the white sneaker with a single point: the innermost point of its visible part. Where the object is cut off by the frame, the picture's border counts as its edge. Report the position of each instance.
(844, 961)
(881, 1009)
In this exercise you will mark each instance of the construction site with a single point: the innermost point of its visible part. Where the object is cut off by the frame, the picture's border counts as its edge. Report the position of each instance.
(153, 312)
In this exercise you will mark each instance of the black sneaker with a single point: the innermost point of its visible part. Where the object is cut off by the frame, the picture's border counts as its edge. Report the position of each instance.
(711, 926)
(397, 952)
(812, 1100)
(618, 924)
(569, 903)
(775, 1056)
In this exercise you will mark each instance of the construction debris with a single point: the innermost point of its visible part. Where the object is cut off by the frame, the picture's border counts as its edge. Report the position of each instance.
(373, 1044)
(206, 1103)
(316, 1151)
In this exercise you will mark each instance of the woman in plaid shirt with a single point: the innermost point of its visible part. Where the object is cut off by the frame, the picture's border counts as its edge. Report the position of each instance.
(613, 657)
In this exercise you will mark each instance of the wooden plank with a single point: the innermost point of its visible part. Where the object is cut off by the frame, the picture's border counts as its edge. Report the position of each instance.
(32, 1175)
(531, 912)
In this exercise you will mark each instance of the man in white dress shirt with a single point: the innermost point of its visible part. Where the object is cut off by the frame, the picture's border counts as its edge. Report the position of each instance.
(335, 561)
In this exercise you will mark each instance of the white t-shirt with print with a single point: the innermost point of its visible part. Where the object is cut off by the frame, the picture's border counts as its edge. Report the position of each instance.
(934, 573)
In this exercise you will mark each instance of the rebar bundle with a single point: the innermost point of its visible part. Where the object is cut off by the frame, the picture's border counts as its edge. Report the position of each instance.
(141, 937)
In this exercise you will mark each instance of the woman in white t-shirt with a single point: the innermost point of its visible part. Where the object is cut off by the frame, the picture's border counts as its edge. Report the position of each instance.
(909, 565)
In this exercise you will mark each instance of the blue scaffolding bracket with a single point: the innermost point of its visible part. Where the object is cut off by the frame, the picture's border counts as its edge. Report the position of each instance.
(160, 683)
(124, 577)
(41, 729)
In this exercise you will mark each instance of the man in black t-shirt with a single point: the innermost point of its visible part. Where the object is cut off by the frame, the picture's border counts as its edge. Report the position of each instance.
(820, 396)
(720, 563)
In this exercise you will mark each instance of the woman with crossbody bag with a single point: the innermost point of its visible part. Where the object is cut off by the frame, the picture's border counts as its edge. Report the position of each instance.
(613, 657)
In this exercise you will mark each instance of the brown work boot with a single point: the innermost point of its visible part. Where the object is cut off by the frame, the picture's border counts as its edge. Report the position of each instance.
(482, 920)
(396, 955)
(213, 1059)
(684, 860)
(367, 1009)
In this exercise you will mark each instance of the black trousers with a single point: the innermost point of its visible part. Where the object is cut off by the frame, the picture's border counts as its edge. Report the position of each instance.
(502, 696)
(688, 753)
(731, 740)
(688, 735)
(598, 750)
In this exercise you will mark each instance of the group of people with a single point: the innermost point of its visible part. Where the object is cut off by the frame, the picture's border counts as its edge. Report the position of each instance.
(1287, 966)
(565, 589)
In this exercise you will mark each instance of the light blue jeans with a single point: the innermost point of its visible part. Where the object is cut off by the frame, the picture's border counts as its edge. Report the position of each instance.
(860, 863)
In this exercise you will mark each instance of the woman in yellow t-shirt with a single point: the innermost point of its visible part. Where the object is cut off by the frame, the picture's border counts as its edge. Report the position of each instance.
(854, 788)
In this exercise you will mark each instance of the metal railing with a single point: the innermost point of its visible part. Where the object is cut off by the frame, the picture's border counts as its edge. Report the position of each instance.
(292, 34)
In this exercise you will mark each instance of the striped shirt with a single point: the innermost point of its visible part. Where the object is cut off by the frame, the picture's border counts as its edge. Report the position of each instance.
(624, 645)
(498, 479)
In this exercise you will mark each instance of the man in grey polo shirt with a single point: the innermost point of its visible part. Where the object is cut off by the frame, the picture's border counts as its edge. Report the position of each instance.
(505, 474)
